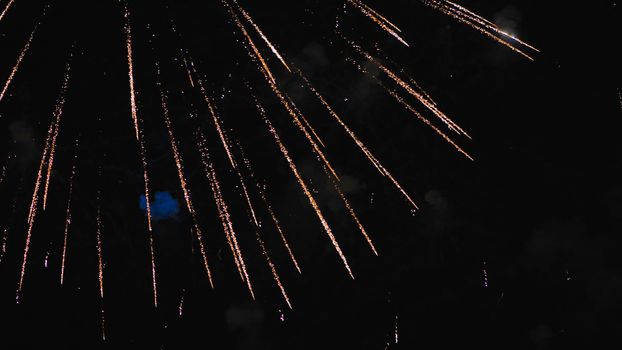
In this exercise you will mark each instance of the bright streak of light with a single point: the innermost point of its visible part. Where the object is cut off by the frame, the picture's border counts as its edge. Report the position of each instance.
(265, 39)
(275, 273)
(58, 112)
(383, 171)
(223, 211)
(68, 216)
(256, 55)
(130, 63)
(153, 271)
(6, 9)
(305, 188)
(476, 22)
(20, 58)
(411, 109)
(371, 14)
(275, 220)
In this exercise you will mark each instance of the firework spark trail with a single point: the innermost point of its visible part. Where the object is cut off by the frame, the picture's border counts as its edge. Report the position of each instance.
(258, 30)
(249, 40)
(478, 23)
(20, 58)
(489, 24)
(223, 211)
(371, 14)
(68, 216)
(284, 150)
(6, 9)
(304, 187)
(188, 70)
(33, 211)
(421, 95)
(153, 271)
(100, 263)
(4, 169)
(180, 173)
(58, 112)
(275, 273)
(217, 123)
(256, 55)
(130, 63)
(411, 109)
(352, 212)
(383, 171)
(275, 220)
(181, 303)
(306, 122)
(379, 16)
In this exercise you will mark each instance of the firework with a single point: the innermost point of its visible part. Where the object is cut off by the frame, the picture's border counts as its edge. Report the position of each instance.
(20, 58)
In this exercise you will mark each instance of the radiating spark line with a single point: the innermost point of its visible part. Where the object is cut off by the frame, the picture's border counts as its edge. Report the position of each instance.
(476, 22)
(258, 30)
(306, 122)
(143, 159)
(256, 55)
(20, 58)
(33, 211)
(181, 303)
(379, 15)
(305, 189)
(421, 97)
(491, 25)
(217, 124)
(352, 212)
(153, 271)
(180, 172)
(130, 63)
(58, 112)
(188, 70)
(275, 220)
(371, 15)
(250, 41)
(383, 171)
(68, 216)
(6, 9)
(223, 210)
(273, 269)
(100, 264)
(413, 110)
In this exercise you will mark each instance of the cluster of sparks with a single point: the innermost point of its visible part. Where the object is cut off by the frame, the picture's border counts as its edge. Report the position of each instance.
(405, 88)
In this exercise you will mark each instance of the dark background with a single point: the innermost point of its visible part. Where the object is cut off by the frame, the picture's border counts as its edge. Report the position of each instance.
(540, 209)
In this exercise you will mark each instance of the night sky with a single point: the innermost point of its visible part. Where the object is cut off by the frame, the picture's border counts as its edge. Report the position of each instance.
(519, 249)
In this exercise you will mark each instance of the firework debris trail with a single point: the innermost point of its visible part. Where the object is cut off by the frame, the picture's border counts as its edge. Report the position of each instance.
(303, 185)
(383, 171)
(385, 24)
(100, 263)
(223, 210)
(6, 9)
(411, 109)
(20, 58)
(482, 25)
(180, 172)
(253, 219)
(46, 161)
(255, 55)
(58, 112)
(275, 220)
(420, 95)
(130, 64)
(8, 226)
(261, 34)
(68, 215)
